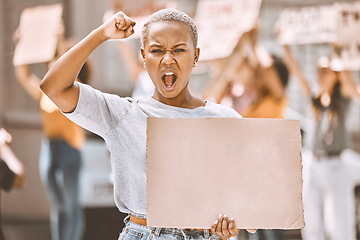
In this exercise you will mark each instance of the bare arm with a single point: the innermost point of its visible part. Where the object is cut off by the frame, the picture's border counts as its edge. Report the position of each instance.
(295, 69)
(348, 86)
(272, 81)
(11, 159)
(28, 81)
(59, 83)
(268, 73)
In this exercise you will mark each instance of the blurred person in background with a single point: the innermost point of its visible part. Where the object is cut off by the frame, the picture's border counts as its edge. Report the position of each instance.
(329, 180)
(256, 84)
(256, 89)
(11, 168)
(60, 158)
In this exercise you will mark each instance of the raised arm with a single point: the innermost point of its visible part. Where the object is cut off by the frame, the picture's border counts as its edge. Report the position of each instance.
(348, 86)
(59, 83)
(295, 70)
(28, 81)
(268, 72)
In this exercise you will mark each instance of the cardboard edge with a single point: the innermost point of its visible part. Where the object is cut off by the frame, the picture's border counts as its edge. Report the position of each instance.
(148, 222)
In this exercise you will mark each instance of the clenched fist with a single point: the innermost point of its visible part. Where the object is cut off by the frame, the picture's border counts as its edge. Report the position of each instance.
(119, 26)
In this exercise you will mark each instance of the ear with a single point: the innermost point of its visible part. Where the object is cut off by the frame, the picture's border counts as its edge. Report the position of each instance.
(196, 54)
(142, 51)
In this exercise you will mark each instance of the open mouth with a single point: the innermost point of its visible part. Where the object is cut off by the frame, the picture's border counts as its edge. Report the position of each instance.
(169, 79)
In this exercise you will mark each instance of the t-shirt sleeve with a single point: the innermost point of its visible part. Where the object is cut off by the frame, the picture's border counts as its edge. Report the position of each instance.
(234, 114)
(98, 112)
(7, 176)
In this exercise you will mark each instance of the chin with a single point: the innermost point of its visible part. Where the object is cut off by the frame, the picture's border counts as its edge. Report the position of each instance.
(169, 95)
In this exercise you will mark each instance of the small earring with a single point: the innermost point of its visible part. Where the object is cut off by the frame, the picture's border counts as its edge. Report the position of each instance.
(194, 64)
(144, 65)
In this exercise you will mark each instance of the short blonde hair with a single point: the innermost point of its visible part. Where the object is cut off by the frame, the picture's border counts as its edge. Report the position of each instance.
(170, 15)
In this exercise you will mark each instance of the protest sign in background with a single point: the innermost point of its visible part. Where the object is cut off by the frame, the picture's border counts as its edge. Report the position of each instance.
(338, 23)
(39, 28)
(348, 37)
(307, 25)
(221, 23)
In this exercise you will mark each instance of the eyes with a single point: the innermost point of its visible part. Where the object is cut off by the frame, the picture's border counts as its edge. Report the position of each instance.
(156, 51)
(179, 50)
(160, 51)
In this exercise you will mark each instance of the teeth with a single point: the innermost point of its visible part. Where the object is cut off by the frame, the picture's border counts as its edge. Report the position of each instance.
(169, 74)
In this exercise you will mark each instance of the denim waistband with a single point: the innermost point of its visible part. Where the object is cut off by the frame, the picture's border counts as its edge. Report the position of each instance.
(186, 233)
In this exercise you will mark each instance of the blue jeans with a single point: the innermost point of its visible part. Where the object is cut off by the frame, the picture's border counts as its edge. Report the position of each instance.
(133, 231)
(268, 234)
(60, 166)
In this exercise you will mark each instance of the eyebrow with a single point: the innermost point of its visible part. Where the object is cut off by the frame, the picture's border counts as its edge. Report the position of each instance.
(159, 45)
(180, 44)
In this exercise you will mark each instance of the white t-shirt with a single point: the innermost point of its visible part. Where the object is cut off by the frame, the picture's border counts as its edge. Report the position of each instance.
(121, 122)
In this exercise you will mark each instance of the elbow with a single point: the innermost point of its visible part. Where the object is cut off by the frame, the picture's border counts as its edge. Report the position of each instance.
(45, 86)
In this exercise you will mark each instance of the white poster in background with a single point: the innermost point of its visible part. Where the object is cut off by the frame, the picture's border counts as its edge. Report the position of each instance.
(39, 27)
(307, 25)
(348, 34)
(221, 23)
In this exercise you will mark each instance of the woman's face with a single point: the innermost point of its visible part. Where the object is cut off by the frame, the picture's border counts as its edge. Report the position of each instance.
(169, 57)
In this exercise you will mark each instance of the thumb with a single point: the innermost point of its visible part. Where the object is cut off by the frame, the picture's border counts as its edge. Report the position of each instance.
(129, 32)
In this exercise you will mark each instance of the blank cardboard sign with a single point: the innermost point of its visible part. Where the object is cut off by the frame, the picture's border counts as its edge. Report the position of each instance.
(38, 28)
(248, 169)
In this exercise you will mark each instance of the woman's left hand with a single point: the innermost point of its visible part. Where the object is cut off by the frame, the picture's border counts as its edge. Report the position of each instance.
(225, 228)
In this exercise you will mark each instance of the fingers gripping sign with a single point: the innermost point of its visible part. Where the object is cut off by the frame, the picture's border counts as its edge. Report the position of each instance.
(119, 26)
(225, 228)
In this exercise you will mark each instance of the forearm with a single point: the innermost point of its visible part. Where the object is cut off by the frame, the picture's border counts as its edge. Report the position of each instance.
(11, 159)
(295, 69)
(349, 86)
(58, 83)
(272, 81)
(28, 81)
(14, 164)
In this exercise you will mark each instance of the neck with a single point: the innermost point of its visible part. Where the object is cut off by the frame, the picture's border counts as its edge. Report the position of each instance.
(183, 100)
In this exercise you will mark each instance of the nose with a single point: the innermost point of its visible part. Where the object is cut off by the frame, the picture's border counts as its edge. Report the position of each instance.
(168, 58)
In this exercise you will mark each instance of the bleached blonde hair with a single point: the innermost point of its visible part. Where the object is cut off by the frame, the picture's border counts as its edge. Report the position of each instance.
(170, 15)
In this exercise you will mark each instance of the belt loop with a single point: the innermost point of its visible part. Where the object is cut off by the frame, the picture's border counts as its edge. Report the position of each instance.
(206, 233)
(184, 234)
(127, 219)
(157, 231)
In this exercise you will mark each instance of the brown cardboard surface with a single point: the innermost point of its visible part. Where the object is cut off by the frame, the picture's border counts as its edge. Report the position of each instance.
(248, 169)
(38, 34)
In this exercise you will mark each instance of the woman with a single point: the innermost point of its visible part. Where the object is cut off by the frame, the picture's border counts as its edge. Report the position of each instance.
(60, 158)
(328, 179)
(169, 51)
